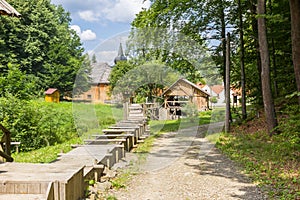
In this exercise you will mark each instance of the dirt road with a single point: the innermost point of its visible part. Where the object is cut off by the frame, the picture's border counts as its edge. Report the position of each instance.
(186, 167)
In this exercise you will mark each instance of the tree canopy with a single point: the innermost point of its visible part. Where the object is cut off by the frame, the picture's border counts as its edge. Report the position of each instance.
(40, 45)
(161, 32)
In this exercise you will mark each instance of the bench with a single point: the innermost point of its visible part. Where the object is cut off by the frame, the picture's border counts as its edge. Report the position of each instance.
(17, 144)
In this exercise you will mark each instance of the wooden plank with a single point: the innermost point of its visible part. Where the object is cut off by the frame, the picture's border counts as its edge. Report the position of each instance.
(50, 192)
(113, 135)
(133, 127)
(34, 188)
(21, 188)
(105, 131)
(22, 197)
(105, 140)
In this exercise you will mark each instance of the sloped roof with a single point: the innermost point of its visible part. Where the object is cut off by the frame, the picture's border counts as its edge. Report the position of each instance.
(188, 82)
(120, 56)
(200, 85)
(217, 88)
(50, 91)
(7, 9)
(100, 73)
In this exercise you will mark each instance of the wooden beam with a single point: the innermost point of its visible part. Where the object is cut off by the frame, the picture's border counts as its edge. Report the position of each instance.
(7, 157)
(7, 140)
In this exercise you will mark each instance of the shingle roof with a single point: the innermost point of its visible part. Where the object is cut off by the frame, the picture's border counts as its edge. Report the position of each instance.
(100, 73)
(188, 82)
(217, 88)
(7, 9)
(50, 91)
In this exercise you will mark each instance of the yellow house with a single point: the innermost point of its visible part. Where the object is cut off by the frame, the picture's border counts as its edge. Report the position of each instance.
(52, 95)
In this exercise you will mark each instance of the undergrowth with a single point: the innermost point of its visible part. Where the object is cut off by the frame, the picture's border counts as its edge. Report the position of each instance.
(273, 162)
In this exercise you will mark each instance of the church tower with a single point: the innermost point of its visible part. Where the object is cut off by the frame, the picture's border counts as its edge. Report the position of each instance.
(120, 56)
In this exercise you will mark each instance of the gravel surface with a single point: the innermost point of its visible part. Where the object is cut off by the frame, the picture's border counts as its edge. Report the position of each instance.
(186, 167)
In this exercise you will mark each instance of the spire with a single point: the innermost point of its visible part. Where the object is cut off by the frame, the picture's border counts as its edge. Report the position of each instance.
(120, 56)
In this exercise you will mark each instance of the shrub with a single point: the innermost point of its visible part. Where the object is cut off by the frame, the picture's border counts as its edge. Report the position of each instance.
(36, 124)
(190, 110)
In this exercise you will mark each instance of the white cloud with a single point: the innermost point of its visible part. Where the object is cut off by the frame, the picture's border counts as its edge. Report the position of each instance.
(85, 35)
(102, 10)
(106, 56)
(77, 29)
(88, 35)
(124, 10)
(88, 15)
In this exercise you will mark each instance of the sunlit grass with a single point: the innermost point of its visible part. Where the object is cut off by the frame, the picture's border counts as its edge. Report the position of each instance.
(45, 154)
(91, 119)
(213, 138)
(271, 162)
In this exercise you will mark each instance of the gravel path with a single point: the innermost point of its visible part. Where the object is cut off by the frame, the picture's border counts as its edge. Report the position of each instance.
(187, 167)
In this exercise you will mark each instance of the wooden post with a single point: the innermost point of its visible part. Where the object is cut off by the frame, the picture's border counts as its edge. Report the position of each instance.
(7, 140)
(125, 109)
(227, 85)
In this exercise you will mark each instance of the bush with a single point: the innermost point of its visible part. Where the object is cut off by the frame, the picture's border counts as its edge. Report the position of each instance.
(36, 124)
(190, 110)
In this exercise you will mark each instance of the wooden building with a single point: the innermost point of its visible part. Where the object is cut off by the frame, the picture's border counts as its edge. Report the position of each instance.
(52, 95)
(7, 9)
(183, 92)
(99, 86)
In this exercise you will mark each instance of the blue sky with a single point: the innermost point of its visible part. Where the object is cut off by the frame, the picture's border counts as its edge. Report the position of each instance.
(97, 21)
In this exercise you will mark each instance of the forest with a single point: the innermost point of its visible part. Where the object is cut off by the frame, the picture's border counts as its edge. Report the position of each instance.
(39, 50)
(264, 46)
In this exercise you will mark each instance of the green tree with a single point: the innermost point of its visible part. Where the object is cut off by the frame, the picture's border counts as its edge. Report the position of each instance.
(94, 59)
(42, 44)
(143, 81)
(18, 83)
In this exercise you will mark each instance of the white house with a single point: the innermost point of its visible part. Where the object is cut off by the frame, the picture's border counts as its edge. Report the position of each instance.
(218, 91)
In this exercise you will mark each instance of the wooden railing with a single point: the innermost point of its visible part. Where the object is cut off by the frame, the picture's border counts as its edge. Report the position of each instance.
(6, 144)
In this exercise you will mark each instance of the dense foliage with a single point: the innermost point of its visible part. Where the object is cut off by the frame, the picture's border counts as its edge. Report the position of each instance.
(39, 45)
(206, 23)
(47, 129)
(145, 82)
(36, 123)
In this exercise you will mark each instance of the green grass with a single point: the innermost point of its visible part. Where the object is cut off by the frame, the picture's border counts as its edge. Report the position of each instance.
(91, 118)
(213, 138)
(272, 162)
(121, 180)
(205, 117)
(45, 154)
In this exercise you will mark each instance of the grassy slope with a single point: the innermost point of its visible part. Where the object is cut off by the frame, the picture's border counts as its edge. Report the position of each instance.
(272, 162)
(105, 116)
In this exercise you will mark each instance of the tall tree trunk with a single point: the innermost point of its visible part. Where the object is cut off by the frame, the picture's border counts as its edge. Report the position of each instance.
(223, 36)
(254, 25)
(242, 55)
(295, 23)
(273, 56)
(265, 73)
(227, 86)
